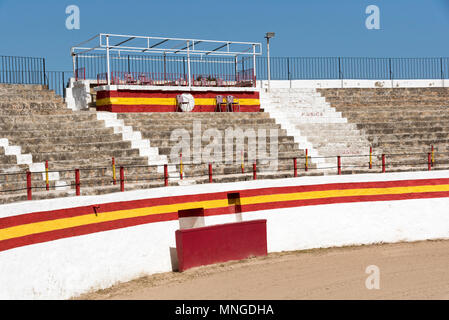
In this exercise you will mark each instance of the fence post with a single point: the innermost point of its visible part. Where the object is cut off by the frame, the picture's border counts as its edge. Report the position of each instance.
(180, 166)
(166, 175)
(29, 192)
(114, 177)
(307, 163)
(254, 171)
(77, 182)
(339, 164)
(295, 167)
(47, 184)
(433, 156)
(122, 179)
(383, 163)
(210, 173)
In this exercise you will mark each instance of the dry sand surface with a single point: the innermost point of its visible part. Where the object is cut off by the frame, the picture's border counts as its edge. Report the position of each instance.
(418, 270)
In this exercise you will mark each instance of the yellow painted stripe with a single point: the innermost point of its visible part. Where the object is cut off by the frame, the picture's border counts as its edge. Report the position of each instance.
(342, 193)
(44, 226)
(166, 101)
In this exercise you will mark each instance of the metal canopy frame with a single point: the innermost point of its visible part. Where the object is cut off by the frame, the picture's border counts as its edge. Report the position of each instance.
(165, 45)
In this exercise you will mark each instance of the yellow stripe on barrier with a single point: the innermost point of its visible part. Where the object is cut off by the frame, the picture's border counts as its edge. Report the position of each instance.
(63, 223)
(166, 101)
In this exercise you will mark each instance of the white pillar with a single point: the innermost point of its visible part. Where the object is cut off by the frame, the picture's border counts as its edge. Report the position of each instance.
(254, 64)
(188, 64)
(268, 62)
(108, 76)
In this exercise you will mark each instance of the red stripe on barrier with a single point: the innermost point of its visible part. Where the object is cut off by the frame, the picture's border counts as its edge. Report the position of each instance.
(220, 243)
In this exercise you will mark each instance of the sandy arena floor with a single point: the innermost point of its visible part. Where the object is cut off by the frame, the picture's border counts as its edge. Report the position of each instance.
(418, 270)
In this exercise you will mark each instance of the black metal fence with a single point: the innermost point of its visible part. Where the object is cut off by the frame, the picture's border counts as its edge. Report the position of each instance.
(90, 66)
(29, 70)
(321, 68)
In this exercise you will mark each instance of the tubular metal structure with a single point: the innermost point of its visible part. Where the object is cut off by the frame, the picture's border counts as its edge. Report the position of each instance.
(117, 44)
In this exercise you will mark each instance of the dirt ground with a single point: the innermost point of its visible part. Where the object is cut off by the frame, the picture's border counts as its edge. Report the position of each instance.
(418, 270)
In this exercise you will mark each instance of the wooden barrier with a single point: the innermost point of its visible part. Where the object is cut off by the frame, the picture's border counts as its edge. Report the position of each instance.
(219, 243)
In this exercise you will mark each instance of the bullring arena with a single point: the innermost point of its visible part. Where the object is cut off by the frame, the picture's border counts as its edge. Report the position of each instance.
(167, 168)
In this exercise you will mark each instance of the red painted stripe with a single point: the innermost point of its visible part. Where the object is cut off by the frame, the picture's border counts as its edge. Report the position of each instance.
(342, 186)
(349, 199)
(172, 94)
(123, 223)
(133, 204)
(106, 207)
(83, 230)
(163, 108)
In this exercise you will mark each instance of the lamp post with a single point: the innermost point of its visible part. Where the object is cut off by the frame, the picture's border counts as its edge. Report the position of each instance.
(268, 35)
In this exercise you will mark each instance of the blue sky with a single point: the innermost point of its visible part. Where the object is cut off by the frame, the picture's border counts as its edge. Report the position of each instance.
(409, 28)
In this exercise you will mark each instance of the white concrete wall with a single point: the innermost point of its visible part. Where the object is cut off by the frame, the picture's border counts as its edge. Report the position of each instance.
(355, 83)
(78, 94)
(68, 267)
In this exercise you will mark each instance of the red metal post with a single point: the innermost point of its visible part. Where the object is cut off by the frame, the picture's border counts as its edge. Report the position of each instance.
(429, 161)
(433, 156)
(114, 180)
(254, 171)
(210, 173)
(383, 163)
(339, 164)
(29, 192)
(47, 184)
(77, 182)
(307, 160)
(295, 166)
(166, 175)
(370, 157)
(122, 179)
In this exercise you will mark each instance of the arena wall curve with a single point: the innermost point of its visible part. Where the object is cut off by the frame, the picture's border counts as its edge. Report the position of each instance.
(61, 248)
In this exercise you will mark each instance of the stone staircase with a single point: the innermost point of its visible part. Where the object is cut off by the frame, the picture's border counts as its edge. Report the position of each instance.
(317, 127)
(164, 131)
(403, 123)
(36, 126)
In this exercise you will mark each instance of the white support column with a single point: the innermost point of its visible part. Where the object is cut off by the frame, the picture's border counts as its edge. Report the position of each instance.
(188, 64)
(268, 63)
(254, 64)
(108, 76)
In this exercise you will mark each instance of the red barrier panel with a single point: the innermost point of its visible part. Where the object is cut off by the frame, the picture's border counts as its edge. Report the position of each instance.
(29, 192)
(295, 168)
(165, 175)
(77, 182)
(210, 173)
(219, 243)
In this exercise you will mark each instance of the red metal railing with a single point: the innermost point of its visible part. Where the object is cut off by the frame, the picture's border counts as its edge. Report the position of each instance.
(427, 163)
(177, 79)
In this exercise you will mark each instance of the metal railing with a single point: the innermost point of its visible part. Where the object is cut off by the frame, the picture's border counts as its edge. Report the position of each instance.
(204, 172)
(321, 68)
(178, 79)
(30, 70)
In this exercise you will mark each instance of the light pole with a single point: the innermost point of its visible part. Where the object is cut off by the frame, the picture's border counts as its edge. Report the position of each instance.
(268, 35)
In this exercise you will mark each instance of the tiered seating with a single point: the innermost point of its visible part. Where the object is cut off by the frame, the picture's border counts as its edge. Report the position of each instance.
(38, 121)
(317, 127)
(158, 127)
(35, 120)
(403, 123)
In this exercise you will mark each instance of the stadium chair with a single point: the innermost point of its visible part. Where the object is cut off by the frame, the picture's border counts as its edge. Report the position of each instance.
(219, 103)
(144, 79)
(231, 101)
(129, 79)
(179, 102)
